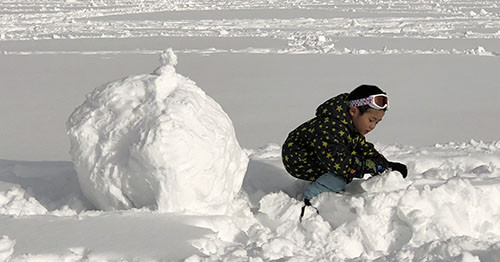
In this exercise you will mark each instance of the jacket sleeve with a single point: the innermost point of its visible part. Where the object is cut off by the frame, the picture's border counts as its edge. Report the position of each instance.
(373, 162)
(367, 149)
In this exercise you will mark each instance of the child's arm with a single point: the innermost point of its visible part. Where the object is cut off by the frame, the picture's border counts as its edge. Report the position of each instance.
(367, 149)
(374, 161)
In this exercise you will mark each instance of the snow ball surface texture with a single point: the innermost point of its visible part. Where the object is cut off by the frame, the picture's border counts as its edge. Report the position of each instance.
(156, 141)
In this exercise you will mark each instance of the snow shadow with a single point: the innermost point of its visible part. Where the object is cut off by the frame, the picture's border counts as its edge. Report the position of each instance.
(134, 237)
(266, 176)
(54, 184)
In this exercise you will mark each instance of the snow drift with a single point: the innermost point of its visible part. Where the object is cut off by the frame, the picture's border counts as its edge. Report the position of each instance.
(156, 141)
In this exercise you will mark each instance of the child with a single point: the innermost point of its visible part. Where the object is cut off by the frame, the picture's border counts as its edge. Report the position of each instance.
(331, 149)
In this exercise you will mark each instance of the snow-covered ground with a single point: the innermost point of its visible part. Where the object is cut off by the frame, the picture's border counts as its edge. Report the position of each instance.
(268, 64)
(446, 210)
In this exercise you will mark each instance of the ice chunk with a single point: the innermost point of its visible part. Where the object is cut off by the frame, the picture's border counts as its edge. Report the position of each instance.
(156, 141)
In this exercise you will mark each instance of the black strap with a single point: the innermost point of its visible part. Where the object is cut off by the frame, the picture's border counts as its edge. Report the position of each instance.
(306, 204)
(302, 213)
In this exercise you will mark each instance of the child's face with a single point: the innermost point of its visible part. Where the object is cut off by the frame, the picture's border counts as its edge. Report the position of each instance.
(366, 122)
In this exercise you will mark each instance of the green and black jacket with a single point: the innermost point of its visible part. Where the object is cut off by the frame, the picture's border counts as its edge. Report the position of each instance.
(330, 143)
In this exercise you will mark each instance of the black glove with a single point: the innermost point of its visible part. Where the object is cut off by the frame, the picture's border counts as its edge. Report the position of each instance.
(381, 164)
(401, 168)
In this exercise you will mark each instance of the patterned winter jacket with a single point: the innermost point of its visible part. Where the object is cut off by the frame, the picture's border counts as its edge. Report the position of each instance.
(330, 143)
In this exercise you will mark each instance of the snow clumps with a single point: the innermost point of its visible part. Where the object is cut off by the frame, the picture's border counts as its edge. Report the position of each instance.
(156, 141)
(15, 201)
(6, 248)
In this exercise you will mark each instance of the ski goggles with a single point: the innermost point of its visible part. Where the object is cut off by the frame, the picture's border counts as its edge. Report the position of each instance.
(379, 101)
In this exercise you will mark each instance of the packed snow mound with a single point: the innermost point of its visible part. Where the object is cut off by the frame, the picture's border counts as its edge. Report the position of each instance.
(445, 210)
(156, 141)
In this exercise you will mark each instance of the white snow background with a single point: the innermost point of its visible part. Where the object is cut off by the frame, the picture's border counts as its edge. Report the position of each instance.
(268, 64)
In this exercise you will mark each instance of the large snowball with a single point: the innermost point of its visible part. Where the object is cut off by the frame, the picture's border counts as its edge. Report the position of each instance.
(156, 141)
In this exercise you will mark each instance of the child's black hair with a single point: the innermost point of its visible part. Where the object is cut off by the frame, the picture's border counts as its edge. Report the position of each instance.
(364, 91)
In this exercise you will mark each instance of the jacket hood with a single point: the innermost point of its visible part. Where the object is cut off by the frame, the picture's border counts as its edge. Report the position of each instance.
(337, 108)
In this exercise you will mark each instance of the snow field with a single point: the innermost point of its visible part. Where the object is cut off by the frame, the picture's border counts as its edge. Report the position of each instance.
(50, 40)
(424, 51)
(302, 26)
(446, 210)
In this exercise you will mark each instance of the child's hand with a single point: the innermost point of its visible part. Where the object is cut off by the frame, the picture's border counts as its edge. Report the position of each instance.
(401, 168)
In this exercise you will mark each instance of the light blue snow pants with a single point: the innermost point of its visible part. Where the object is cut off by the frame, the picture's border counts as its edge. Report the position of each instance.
(328, 182)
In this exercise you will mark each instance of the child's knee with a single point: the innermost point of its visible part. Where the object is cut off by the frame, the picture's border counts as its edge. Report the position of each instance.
(325, 183)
